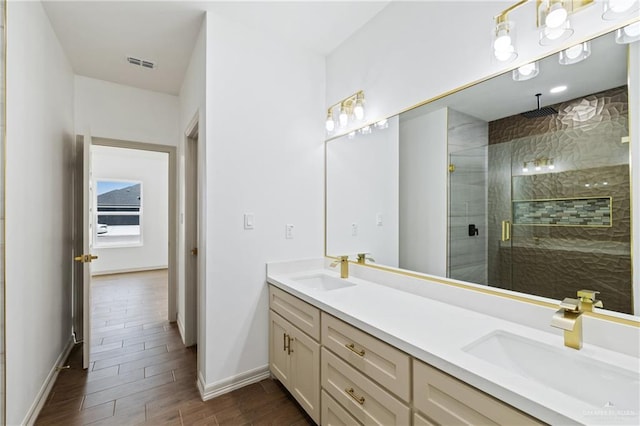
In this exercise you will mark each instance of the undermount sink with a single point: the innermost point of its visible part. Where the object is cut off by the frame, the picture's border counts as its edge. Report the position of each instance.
(595, 382)
(322, 282)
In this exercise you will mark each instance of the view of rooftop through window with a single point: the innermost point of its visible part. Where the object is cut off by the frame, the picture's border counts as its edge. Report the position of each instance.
(119, 213)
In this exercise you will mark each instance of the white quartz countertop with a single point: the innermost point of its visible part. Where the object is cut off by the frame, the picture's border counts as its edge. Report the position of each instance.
(436, 333)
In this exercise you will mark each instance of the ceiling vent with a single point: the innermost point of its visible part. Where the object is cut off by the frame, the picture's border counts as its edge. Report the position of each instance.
(141, 62)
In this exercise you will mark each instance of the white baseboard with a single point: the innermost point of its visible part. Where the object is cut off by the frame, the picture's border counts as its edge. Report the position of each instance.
(128, 270)
(210, 391)
(180, 322)
(45, 390)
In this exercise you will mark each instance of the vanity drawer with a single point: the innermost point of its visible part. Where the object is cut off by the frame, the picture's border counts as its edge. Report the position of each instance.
(333, 414)
(376, 359)
(447, 400)
(299, 313)
(420, 420)
(367, 402)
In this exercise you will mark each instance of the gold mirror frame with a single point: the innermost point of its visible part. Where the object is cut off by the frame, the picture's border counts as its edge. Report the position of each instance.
(616, 317)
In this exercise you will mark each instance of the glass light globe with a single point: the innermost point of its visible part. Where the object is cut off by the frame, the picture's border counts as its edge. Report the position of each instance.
(620, 5)
(556, 16)
(527, 69)
(502, 41)
(504, 55)
(330, 124)
(358, 110)
(343, 118)
(632, 30)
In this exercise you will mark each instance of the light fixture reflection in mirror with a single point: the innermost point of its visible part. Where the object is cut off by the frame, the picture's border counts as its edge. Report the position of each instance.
(526, 72)
(628, 34)
(618, 9)
(575, 54)
(591, 114)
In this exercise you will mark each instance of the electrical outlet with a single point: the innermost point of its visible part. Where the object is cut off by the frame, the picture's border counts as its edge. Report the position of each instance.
(354, 229)
(289, 231)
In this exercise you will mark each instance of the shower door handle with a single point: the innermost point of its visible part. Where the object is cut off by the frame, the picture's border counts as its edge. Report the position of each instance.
(506, 230)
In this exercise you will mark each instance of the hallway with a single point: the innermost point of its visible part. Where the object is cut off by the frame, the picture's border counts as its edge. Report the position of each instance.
(141, 373)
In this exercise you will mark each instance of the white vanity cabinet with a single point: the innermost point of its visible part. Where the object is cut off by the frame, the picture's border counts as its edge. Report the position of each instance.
(368, 377)
(444, 400)
(374, 358)
(343, 376)
(294, 356)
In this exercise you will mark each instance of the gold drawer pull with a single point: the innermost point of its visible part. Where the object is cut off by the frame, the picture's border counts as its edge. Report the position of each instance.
(352, 394)
(352, 348)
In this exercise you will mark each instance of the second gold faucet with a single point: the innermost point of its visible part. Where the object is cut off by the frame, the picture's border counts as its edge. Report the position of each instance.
(344, 265)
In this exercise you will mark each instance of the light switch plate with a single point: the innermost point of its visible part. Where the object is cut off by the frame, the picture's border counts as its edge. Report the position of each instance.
(248, 221)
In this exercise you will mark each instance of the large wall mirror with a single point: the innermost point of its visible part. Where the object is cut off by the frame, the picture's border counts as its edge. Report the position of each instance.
(489, 186)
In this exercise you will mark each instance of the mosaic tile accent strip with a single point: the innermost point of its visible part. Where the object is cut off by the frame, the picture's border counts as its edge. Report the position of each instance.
(563, 212)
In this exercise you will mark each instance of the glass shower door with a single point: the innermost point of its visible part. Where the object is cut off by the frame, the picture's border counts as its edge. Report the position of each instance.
(468, 233)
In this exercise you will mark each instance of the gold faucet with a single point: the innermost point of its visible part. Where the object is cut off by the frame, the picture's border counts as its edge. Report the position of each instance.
(569, 319)
(588, 300)
(344, 265)
(362, 258)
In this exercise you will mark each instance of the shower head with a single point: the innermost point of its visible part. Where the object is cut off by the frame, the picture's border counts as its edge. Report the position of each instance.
(540, 112)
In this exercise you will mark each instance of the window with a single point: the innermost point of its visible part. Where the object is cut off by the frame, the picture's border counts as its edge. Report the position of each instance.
(118, 213)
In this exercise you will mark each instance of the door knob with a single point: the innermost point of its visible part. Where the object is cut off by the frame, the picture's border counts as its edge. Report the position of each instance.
(85, 258)
(194, 251)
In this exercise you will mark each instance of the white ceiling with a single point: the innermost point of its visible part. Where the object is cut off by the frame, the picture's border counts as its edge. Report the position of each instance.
(98, 35)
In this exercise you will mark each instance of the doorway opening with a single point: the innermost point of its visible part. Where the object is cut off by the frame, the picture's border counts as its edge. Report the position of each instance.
(133, 228)
(189, 291)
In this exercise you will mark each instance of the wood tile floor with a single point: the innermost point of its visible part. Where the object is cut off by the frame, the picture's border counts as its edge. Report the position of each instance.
(141, 373)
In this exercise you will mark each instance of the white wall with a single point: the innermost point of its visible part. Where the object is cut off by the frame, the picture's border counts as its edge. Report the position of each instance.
(40, 136)
(152, 169)
(265, 132)
(110, 110)
(362, 183)
(423, 194)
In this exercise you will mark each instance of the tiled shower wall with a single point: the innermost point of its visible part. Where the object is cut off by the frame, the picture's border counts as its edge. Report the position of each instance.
(467, 144)
(586, 141)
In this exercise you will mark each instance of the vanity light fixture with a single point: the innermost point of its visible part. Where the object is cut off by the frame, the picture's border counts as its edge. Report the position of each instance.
(553, 18)
(330, 124)
(358, 109)
(503, 36)
(526, 72)
(538, 164)
(616, 9)
(628, 34)
(554, 22)
(343, 118)
(575, 54)
(351, 107)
